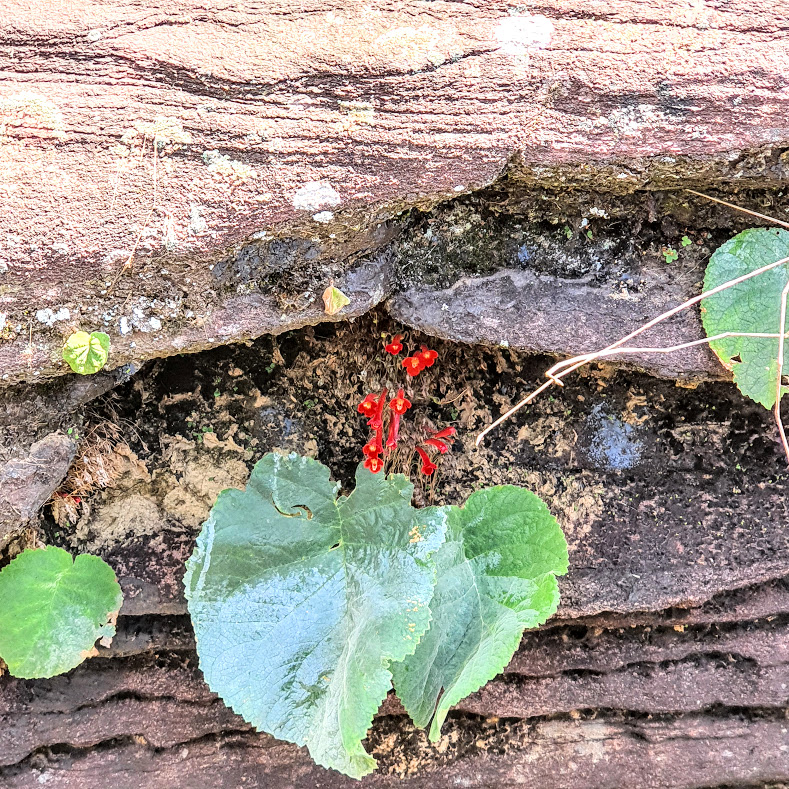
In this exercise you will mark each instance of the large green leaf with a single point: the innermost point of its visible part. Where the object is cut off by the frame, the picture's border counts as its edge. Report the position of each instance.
(496, 577)
(300, 601)
(86, 353)
(53, 609)
(751, 306)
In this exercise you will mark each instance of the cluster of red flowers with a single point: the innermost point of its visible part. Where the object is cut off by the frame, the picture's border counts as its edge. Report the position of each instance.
(377, 410)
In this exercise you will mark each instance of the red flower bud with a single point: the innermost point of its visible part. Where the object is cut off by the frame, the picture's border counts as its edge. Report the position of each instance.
(438, 444)
(394, 431)
(445, 433)
(376, 421)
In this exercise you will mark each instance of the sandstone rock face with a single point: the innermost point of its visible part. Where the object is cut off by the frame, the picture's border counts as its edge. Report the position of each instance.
(141, 147)
(501, 178)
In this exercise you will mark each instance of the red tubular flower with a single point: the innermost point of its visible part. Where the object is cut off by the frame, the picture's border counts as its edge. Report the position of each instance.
(437, 443)
(426, 356)
(413, 365)
(394, 431)
(445, 432)
(371, 448)
(399, 404)
(395, 346)
(428, 467)
(374, 464)
(376, 420)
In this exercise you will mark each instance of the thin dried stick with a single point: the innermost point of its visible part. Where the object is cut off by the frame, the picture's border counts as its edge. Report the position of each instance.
(779, 386)
(573, 364)
(668, 349)
(737, 208)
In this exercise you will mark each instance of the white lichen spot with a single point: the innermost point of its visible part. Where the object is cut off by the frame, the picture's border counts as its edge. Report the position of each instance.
(223, 166)
(155, 324)
(31, 114)
(197, 224)
(324, 217)
(3, 321)
(94, 35)
(315, 195)
(125, 325)
(518, 34)
(49, 318)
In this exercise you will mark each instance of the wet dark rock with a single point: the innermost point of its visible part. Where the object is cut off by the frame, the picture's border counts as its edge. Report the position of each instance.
(541, 313)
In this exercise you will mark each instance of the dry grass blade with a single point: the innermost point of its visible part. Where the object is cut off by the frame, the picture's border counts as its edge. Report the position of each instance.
(100, 461)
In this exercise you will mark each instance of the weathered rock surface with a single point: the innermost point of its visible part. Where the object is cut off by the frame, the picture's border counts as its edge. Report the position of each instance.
(541, 313)
(27, 483)
(196, 174)
(164, 137)
(154, 717)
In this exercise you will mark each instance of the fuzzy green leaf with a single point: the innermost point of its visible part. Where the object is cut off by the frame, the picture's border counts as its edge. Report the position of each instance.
(53, 609)
(751, 306)
(496, 577)
(86, 353)
(300, 600)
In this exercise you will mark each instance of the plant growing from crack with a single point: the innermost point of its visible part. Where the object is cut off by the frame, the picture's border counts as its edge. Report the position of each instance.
(384, 416)
(86, 353)
(743, 311)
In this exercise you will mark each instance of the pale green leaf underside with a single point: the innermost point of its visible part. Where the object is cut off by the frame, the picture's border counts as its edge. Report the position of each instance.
(86, 353)
(53, 609)
(495, 577)
(300, 601)
(751, 306)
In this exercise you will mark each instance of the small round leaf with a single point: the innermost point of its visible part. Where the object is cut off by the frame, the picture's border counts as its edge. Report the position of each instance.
(334, 300)
(86, 353)
(53, 609)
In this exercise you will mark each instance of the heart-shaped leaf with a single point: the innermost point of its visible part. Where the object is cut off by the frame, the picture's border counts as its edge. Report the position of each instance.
(496, 576)
(751, 306)
(53, 609)
(86, 353)
(301, 600)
